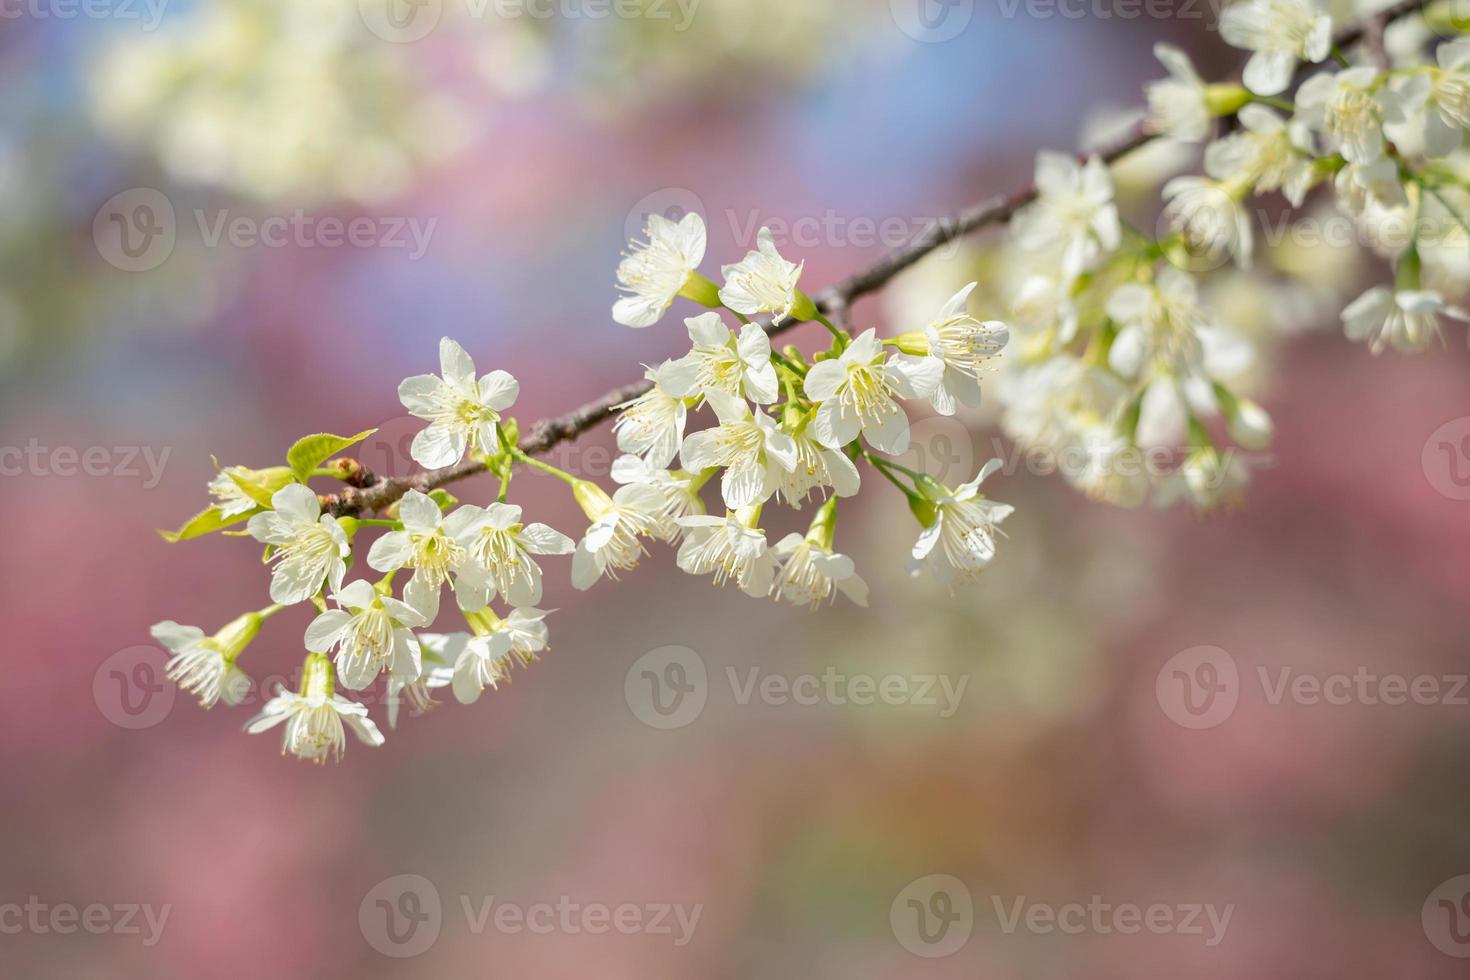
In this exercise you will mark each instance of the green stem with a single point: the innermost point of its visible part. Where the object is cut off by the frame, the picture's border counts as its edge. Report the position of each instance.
(394, 525)
(537, 464)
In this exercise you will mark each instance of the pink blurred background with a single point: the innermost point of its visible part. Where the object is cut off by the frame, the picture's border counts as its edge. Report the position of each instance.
(796, 830)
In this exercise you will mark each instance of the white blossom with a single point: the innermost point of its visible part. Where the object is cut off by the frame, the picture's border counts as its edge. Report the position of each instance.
(309, 547)
(1268, 153)
(314, 717)
(1178, 106)
(485, 661)
(721, 362)
(679, 491)
(816, 466)
(731, 550)
(370, 633)
(1281, 33)
(959, 542)
(652, 425)
(811, 574)
(612, 543)
(428, 544)
(498, 549)
(1159, 321)
(1211, 217)
(227, 495)
(1073, 214)
(462, 412)
(750, 448)
(1407, 320)
(763, 282)
(1437, 99)
(205, 665)
(961, 345)
(1349, 111)
(655, 271)
(855, 394)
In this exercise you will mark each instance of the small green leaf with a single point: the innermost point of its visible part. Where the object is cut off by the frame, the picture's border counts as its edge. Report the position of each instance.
(443, 498)
(254, 489)
(205, 522)
(313, 451)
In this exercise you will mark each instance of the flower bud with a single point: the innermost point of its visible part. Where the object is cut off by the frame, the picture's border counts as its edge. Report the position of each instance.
(803, 308)
(1250, 425)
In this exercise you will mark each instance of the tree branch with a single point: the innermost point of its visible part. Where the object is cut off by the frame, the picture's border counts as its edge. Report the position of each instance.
(834, 301)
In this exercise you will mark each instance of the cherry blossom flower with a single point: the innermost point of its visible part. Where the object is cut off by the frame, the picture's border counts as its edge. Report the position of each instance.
(205, 665)
(765, 282)
(428, 544)
(748, 446)
(1073, 214)
(731, 550)
(370, 633)
(1407, 320)
(958, 540)
(462, 412)
(721, 362)
(498, 550)
(652, 425)
(855, 394)
(309, 548)
(1281, 33)
(315, 716)
(656, 271)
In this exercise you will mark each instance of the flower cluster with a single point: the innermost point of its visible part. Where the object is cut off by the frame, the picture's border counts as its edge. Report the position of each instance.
(1131, 364)
(781, 428)
(1117, 348)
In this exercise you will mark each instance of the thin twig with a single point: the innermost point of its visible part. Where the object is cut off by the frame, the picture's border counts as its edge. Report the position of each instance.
(833, 302)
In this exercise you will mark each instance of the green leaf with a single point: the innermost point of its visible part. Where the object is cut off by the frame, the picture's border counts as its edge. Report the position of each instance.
(313, 451)
(256, 490)
(443, 498)
(205, 522)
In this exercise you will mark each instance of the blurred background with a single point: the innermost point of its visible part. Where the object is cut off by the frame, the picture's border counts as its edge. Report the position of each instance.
(176, 182)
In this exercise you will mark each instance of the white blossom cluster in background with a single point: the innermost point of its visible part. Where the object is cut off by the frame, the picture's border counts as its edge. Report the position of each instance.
(1135, 346)
(784, 430)
(347, 98)
(1118, 344)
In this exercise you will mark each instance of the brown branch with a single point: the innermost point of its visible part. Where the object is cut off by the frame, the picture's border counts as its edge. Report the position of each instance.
(833, 302)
